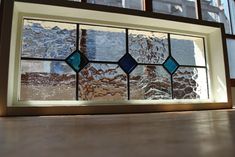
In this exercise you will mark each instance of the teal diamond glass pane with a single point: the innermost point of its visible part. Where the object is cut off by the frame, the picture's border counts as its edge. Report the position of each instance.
(77, 61)
(171, 65)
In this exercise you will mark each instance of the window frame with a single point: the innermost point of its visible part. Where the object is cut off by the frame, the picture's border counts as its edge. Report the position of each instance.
(5, 109)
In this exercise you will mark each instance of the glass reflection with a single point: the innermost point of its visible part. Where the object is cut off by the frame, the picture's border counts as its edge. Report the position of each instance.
(185, 8)
(47, 80)
(217, 11)
(44, 39)
(188, 50)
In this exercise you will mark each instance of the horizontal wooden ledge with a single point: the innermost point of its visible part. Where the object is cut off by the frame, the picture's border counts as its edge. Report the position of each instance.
(111, 109)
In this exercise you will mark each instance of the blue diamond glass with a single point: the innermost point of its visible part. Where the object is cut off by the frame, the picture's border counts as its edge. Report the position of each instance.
(77, 60)
(127, 63)
(171, 65)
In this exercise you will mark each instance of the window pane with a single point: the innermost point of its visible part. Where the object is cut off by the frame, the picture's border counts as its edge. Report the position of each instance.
(148, 47)
(47, 80)
(43, 39)
(102, 82)
(149, 82)
(217, 11)
(190, 83)
(231, 57)
(132, 4)
(232, 12)
(184, 8)
(188, 50)
(102, 43)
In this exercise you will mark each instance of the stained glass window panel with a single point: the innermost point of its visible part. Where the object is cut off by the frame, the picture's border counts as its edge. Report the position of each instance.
(188, 50)
(102, 82)
(148, 47)
(44, 39)
(102, 43)
(190, 83)
(132, 4)
(148, 82)
(185, 8)
(47, 80)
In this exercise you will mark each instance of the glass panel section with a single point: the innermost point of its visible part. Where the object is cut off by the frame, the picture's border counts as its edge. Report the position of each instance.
(190, 83)
(188, 50)
(102, 82)
(148, 82)
(47, 80)
(102, 43)
(231, 57)
(44, 39)
(185, 8)
(217, 11)
(132, 4)
(148, 47)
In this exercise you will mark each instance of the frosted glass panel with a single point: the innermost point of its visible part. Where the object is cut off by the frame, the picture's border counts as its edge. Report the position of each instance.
(132, 4)
(231, 57)
(217, 11)
(44, 39)
(102, 82)
(190, 83)
(188, 50)
(148, 47)
(102, 43)
(185, 8)
(47, 80)
(149, 82)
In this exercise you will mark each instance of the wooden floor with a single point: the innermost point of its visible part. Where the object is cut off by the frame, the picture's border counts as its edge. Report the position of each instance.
(183, 134)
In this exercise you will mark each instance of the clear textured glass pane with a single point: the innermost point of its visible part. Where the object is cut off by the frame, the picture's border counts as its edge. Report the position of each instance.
(188, 50)
(231, 57)
(185, 8)
(217, 11)
(102, 43)
(47, 80)
(102, 82)
(44, 39)
(132, 4)
(148, 47)
(148, 82)
(190, 83)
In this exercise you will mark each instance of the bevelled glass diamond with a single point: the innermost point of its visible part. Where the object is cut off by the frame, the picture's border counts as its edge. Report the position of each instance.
(127, 63)
(77, 60)
(171, 65)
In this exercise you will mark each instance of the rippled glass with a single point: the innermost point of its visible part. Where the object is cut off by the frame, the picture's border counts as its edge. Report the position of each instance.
(45, 39)
(47, 80)
(148, 47)
(102, 43)
(190, 83)
(99, 81)
(149, 82)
